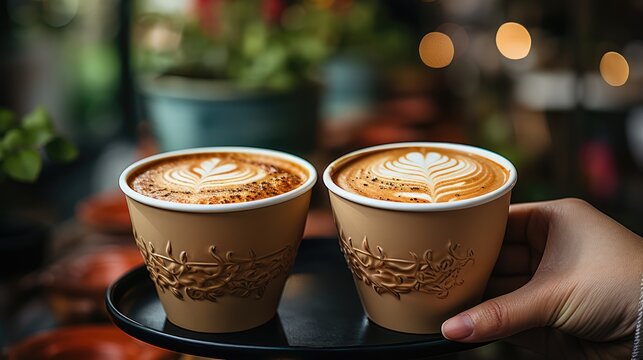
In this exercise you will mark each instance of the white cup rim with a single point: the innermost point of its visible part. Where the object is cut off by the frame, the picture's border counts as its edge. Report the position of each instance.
(423, 207)
(218, 208)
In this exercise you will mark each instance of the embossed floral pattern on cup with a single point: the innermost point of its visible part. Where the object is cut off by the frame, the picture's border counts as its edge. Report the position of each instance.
(228, 274)
(427, 274)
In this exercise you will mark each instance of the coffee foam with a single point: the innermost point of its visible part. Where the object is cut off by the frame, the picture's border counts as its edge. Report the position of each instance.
(420, 175)
(217, 178)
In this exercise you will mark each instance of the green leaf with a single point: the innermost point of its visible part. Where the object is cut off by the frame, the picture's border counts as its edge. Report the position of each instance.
(24, 165)
(7, 120)
(37, 119)
(13, 140)
(38, 127)
(40, 137)
(61, 150)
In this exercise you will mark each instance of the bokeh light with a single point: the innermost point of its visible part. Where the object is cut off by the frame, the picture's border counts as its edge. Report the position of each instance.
(436, 50)
(513, 40)
(162, 37)
(614, 68)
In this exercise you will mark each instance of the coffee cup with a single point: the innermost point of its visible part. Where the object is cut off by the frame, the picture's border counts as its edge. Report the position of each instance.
(218, 229)
(421, 226)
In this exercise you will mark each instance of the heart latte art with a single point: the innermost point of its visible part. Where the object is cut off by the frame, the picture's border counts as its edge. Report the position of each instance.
(429, 175)
(212, 173)
(217, 178)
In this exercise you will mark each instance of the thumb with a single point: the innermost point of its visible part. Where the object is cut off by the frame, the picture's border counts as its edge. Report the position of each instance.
(500, 317)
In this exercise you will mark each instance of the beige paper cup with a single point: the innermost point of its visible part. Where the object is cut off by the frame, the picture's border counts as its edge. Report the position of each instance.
(416, 265)
(219, 268)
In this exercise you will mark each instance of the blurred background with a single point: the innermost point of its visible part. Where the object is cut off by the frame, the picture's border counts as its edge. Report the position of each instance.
(555, 86)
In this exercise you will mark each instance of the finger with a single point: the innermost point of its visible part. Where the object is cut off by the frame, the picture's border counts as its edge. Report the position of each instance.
(527, 222)
(514, 259)
(500, 317)
(501, 285)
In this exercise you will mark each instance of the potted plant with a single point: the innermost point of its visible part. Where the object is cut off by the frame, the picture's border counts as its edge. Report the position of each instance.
(370, 44)
(232, 72)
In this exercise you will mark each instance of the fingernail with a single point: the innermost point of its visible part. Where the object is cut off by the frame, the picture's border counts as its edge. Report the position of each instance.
(458, 327)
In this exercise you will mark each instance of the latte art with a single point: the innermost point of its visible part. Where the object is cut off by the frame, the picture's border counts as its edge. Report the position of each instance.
(429, 175)
(212, 173)
(440, 175)
(217, 178)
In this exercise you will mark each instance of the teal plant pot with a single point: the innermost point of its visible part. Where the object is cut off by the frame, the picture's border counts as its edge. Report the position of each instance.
(187, 113)
(350, 83)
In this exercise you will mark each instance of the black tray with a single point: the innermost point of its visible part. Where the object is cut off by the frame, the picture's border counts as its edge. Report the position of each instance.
(320, 315)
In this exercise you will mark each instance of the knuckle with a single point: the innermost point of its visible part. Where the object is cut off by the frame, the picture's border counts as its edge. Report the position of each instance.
(574, 203)
(567, 206)
(495, 315)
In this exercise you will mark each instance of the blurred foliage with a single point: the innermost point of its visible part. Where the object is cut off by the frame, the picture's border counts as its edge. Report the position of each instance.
(20, 143)
(93, 90)
(261, 44)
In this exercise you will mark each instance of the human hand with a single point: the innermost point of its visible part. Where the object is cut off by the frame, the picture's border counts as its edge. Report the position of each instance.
(568, 284)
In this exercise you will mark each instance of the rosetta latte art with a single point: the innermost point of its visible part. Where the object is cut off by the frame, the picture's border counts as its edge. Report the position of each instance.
(212, 173)
(439, 176)
(421, 175)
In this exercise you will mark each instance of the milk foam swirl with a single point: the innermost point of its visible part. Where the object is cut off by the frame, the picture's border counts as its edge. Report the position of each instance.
(443, 176)
(212, 173)
(421, 175)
